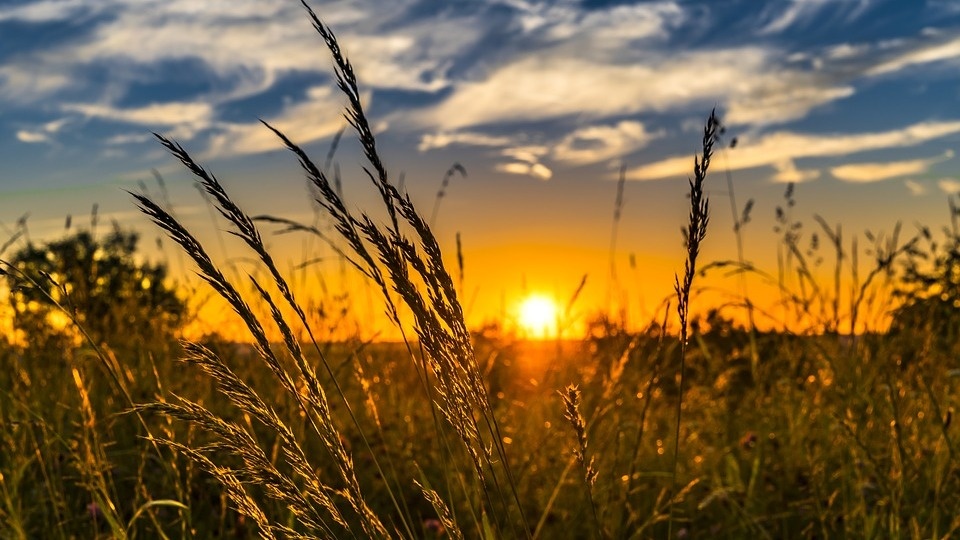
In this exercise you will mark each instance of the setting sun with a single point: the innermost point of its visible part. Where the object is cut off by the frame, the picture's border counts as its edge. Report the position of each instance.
(538, 316)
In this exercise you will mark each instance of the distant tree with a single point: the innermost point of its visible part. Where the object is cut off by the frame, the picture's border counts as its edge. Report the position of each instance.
(930, 290)
(115, 298)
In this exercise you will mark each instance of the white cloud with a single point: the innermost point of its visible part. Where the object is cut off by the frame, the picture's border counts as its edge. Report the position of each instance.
(525, 160)
(433, 141)
(255, 42)
(793, 12)
(566, 21)
(303, 122)
(789, 96)
(536, 170)
(584, 145)
(749, 81)
(593, 66)
(530, 153)
(776, 148)
(54, 126)
(44, 132)
(804, 12)
(602, 142)
(128, 138)
(918, 54)
(950, 186)
(787, 172)
(155, 114)
(44, 11)
(23, 83)
(876, 171)
(32, 137)
(916, 188)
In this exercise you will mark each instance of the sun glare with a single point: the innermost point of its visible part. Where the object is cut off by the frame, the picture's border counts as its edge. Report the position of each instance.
(538, 316)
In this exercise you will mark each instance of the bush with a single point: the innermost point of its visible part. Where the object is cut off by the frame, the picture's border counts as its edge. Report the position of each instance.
(930, 289)
(99, 284)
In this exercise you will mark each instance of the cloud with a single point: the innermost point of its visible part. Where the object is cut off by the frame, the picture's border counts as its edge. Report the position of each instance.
(950, 186)
(590, 72)
(32, 137)
(432, 141)
(787, 172)
(916, 188)
(918, 54)
(602, 142)
(525, 160)
(259, 41)
(799, 13)
(155, 114)
(751, 82)
(303, 122)
(779, 147)
(581, 146)
(529, 153)
(128, 138)
(874, 172)
(793, 13)
(42, 133)
(536, 170)
(23, 83)
(786, 97)
(44, 11)
(564, 21)
(242, 48)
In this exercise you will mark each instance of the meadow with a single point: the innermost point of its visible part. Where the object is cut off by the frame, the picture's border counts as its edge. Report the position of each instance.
(700, 425)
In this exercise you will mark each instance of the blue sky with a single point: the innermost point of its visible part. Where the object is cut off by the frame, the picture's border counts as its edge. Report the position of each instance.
(541, 101)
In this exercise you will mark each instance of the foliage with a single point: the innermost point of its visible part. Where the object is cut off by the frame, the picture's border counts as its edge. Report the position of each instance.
(99, 283)
(459, 435)
(930, 288)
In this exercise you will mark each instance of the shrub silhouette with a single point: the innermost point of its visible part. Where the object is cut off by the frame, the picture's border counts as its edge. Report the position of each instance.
(930, 288)
(98, 283)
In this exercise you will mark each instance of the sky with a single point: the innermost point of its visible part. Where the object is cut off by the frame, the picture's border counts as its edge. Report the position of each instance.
(542, 103)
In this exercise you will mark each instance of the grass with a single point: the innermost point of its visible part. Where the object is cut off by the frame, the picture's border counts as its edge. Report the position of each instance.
(706, 430)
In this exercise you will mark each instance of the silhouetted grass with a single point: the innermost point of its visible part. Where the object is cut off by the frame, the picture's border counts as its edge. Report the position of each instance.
(806, 432)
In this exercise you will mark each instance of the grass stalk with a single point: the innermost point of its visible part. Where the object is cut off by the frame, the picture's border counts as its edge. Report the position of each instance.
(693, 236)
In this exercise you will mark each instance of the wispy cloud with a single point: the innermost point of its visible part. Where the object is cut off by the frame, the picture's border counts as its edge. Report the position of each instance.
(877, 171)
(155, 114)
(602, 142)
(787, 171)
(918, 54)
(585, 80)
(44, 11)
(781, 16)
(320, 116)
(526, 161)
(536, 170)
(43, 133)
(565, 21)
(916, 188)
(32, 136)
(432, 141)
(780, 147)
(21, 84)
(950, 186)
(549, 86)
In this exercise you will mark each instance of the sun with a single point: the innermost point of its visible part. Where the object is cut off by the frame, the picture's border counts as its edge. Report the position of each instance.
(538, 316)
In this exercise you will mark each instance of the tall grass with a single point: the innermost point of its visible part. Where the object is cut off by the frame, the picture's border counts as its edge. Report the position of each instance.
(688, 430)
(410, 267)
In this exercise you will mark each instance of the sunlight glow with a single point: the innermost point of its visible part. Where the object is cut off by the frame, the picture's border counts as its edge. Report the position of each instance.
(538, 316)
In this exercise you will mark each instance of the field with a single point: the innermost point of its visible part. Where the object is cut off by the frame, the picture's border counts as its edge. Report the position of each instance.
(697, 426)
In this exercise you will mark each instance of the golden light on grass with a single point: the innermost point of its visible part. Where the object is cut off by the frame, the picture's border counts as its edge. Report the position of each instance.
(537, 316)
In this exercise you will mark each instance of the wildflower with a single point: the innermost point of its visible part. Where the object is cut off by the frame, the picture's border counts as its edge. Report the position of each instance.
(94, 511)
(434, 526)
(748, 441)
